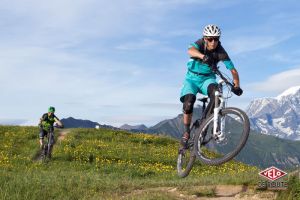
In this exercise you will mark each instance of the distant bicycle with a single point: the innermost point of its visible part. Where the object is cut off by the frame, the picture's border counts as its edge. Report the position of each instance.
(217, 138)
(48, 146)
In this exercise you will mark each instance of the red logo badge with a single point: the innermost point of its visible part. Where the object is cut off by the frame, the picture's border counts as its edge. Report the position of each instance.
(272, 173)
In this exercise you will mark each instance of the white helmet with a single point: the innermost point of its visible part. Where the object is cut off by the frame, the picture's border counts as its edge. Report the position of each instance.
(211, 30)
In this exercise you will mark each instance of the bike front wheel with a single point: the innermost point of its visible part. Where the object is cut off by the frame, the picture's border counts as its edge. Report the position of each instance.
(185, 161)
(234, 125)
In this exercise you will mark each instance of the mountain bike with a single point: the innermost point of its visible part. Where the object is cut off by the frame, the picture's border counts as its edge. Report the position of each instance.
(218, 137)
(48, 146)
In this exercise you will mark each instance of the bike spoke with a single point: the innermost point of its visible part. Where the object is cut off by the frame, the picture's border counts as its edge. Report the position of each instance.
(232, 133)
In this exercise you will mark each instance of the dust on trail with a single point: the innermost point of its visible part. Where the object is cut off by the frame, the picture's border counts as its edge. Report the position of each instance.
(222, 192)
(62, 134)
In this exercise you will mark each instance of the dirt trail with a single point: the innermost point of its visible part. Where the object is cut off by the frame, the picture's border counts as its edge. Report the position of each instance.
(221, 192)
(224, 192)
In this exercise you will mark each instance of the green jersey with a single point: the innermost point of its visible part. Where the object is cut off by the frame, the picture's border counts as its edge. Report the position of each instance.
(48, 121)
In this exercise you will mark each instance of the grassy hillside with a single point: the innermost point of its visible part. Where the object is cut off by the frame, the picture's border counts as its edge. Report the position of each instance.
(103, 164)
(293, 191)
(265, 151)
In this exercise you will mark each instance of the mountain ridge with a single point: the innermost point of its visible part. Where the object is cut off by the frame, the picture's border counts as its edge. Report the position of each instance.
(278, 116)
(71, 122)
(135, 127)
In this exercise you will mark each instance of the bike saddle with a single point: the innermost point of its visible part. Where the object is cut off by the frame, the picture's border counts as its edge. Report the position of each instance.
(203, 99)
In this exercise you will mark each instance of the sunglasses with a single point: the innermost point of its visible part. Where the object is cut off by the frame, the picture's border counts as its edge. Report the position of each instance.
(210, 39)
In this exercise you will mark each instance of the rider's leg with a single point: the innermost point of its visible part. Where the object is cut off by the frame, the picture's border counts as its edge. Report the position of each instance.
(187, 118)
(41, 142)
(42, 134)
(211, 89)
(188, 104)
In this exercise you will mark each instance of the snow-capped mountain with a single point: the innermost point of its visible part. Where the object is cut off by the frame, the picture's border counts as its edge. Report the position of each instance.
(279, 116)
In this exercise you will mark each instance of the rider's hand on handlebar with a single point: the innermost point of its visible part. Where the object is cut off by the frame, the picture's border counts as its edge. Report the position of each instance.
(57, 125)
(237, 91)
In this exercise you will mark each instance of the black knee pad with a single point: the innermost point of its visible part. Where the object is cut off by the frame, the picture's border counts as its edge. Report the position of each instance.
(212, 88)
(188, 103)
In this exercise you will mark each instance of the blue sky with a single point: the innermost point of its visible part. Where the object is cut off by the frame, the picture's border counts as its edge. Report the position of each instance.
(120, 61)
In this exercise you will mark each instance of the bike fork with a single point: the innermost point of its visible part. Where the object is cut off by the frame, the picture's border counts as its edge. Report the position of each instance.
(219, 126)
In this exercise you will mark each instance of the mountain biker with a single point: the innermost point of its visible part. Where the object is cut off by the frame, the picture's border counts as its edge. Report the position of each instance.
(204, 54)
(46, 123)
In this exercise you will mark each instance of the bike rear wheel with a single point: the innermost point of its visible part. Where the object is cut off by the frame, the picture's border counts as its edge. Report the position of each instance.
(213, 151)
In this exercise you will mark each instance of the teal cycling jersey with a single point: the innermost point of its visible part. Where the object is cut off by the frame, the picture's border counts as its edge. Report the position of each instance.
(219, 54)
(200, 75)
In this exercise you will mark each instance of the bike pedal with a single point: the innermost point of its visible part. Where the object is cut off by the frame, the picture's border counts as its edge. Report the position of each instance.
(182, 150)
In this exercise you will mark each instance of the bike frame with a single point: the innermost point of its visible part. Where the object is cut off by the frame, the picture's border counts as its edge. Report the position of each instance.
(50, 139)
(49, 144)
(219, 128)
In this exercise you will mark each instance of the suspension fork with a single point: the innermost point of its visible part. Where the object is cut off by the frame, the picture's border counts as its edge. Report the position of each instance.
(218, 132)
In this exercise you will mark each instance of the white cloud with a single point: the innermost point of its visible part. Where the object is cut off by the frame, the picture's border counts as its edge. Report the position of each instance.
(249, 43)
(163, 105)
(135, 119)
(286, 57)
(12, 121)
(36, 20)
(277, 83)
(77, 84)
(168, 3)
(84, 56)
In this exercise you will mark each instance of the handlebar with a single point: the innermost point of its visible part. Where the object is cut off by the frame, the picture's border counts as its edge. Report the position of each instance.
(58, 126)
(217, 71)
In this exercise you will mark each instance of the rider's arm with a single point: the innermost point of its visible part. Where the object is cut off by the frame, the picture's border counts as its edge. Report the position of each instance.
(40, 123)
(59, 123)
(43, 118)
(235, 76)
(195, 53)
(230, 66)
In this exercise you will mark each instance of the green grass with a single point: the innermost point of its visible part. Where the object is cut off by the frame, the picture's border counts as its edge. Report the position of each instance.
(104, 164)
(293, 191)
